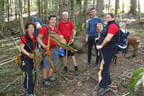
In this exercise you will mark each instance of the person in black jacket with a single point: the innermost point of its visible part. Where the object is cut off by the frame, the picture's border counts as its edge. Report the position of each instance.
(27, 47)
(108, 48)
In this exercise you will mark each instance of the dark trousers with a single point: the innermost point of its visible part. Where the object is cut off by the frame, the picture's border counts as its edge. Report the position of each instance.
(107, 53)
(28, 81)
(91, 42)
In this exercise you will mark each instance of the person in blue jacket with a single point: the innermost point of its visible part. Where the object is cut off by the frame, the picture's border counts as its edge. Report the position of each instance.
(91, 34)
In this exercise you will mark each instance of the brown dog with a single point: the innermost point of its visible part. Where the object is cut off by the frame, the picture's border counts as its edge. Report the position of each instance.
(134, 42)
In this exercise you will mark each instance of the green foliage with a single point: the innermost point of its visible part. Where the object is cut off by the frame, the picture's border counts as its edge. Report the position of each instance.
(136, 72)
(133, 82)
(136, 76)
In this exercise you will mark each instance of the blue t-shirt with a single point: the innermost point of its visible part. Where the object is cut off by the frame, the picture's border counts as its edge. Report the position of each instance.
(92, 26)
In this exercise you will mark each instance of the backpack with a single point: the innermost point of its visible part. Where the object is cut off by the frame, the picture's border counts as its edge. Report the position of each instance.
(123, 40)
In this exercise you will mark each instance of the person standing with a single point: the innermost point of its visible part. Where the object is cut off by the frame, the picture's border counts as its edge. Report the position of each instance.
(108, 48)
(43, 38)
(27, 47)
(66, 27)
(91, 33)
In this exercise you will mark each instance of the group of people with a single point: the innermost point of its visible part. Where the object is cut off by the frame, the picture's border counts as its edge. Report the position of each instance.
(103, 38)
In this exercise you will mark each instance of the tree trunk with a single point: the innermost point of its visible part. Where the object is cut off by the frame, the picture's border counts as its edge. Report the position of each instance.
(123, 6)
(139, 11)
(20, 17)
(2, 17)
(109, 6)
(8, 12)
(94, 1)
(100, 7)
(116, 6)
(28, 8)
(16, 9)
(45, 11)
(85, 14)
(39, 7)
(133, 7)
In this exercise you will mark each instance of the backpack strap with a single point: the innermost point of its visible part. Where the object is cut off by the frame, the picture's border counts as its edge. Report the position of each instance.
(47, 31)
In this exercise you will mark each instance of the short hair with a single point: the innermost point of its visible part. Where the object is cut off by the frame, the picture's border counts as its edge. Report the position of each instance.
(65, 13)
(92, 9)
(50, 16)
(111, 14)
(30, 23)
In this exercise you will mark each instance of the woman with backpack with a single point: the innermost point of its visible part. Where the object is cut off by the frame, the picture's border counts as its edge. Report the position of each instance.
(27, 47)
(108, 48)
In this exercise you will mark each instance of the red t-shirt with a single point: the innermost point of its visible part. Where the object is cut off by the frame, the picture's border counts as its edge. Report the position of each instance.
(66, 29)
(23, 41)
(43, 32)
(113, 29)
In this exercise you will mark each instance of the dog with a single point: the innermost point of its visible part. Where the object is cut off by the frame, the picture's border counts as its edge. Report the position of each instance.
(134, 42)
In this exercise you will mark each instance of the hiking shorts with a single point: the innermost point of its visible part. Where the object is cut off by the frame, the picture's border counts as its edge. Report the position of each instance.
(69, 52)
(54, 57)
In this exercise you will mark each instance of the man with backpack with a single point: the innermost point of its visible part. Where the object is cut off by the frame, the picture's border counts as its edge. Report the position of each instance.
(108, 49)
(44, 40)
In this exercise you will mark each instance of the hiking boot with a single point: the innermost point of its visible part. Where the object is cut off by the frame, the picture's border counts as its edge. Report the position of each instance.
(65, 70)
(31, 95)
(51, 79)
(46, 84)
(25, 90)
(76, 71)
(87, 64)
(102, 91)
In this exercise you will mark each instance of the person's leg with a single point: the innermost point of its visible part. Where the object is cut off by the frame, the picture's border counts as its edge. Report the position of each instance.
(90, 43)
(29, 78)
(44, 73)
(97, 55)
(74, 60)
(75, 65)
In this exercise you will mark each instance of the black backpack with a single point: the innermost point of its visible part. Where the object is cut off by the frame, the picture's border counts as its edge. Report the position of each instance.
(123, 40)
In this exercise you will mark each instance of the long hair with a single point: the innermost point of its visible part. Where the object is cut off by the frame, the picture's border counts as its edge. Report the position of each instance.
(100, 26)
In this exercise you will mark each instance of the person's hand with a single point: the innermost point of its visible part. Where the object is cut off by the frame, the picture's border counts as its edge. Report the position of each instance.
(98, 47)
(31, 55)
(71, 41)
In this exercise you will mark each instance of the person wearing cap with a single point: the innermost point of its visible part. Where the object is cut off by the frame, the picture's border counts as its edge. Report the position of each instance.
(43, 41)
(67, 29)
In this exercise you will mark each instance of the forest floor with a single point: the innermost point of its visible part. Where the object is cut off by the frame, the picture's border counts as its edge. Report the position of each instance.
(70, 85)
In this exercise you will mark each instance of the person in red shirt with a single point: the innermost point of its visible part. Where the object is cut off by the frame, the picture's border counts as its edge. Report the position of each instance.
(66, 27)
(108, 48)
(27, 47)
(42, 39)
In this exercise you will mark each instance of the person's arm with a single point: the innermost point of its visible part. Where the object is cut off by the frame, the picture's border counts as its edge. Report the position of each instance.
(25, 52)
(39, 39)
(106, 40)
(22, 45)
(87, 32)
(113, 29)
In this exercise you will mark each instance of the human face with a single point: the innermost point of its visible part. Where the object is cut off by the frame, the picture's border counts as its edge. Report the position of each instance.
(65, 17)
(108, 18)
(93, 13)
(98, 27)
(31, 29)
(52, 21)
